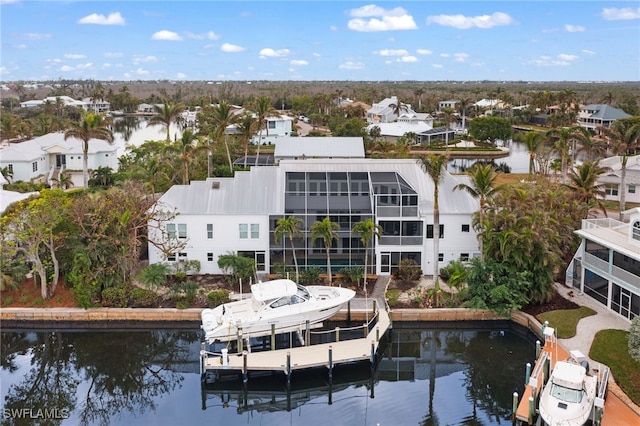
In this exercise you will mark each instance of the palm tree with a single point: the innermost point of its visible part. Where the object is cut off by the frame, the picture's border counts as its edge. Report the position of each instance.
(435, 165)
(289, 226)
(150, 170)
(186, 148)
(419, 92)
(368, 231)
(166, 114)
(532, 141)
(263, 109)
(91, 126)
(623, 136)
(398, 108)
(222, 118)
(584, 183)
(7, 173)
(564, 139)
(463, 104)
(328, 231)
(483, 179)
(248, 124)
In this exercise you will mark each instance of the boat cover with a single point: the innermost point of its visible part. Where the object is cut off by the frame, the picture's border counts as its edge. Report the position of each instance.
(569, 375)
(273, 289)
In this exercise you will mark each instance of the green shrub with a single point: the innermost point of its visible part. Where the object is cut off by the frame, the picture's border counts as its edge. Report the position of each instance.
(217, 297)
(352, 275)
(7, 301)
(154, 275)
(393, 296)
(114, 297)
(141, 297)
(310, 275)
(182, 304)
(634, 339)
(408, 270)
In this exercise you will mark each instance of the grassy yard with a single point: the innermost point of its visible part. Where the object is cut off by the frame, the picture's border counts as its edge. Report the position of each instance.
(565, 321)
(610, 347)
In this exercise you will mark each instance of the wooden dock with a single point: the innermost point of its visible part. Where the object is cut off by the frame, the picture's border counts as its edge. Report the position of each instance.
(615, 412)
(297, 358)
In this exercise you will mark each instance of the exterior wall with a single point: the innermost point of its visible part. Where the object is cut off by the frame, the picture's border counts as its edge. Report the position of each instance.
(226, 239)
(23, 171)
(282, 128)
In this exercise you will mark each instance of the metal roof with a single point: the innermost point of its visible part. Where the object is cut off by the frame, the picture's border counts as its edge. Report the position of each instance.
(51, 143)
(323, 147)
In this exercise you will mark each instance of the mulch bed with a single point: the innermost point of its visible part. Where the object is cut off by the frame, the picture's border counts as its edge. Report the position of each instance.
(556, 303)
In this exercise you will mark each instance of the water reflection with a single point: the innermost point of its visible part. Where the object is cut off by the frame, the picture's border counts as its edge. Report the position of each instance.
(424, 376)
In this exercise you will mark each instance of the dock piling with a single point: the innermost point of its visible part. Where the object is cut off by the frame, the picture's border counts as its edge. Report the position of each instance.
(527, 374)
(330, 362)
(273, 337)
(532, 409)
(245, 373)
(514, 406)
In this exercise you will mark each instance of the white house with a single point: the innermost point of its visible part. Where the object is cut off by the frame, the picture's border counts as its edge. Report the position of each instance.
(275, 128)
(449, 103)
(594, 116)
(39, 158)
(86, 104)
(607, 263)
(611, 178)
(293, 148)
(239, 215)
(388, 110)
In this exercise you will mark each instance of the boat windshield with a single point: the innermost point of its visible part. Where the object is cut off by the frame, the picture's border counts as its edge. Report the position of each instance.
(303, 292)
(565, 394)
(284, 301)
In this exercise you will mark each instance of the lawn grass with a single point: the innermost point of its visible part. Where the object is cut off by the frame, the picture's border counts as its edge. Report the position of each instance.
(611, 347)
(565, 321)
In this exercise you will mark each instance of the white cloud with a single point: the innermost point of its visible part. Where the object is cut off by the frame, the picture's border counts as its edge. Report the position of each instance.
(424, 52)
(9, 2)
(74, 56)
(462, 22)
(267, 52)
(166, 35)
(113, 54)
(139, 59)
(372, 18)
(333, 28)
(437, 65)
(574, 28)
(111, 19)
(408, 59)
(86, 66)
(232, 48)
(460, 57)
(298, 62)
(561, 60)
(392, 52)
(588, 52)
(66, 68)
(35, 36)
(210, 35)
(55, 60)
(4, 70)
(181, 76)
(567, 57)
(350, 65)
(142, 71)
(623, 14)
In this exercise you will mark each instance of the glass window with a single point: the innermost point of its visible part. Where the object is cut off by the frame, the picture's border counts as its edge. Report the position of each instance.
(34, 166)
(209, 257)
(209, 230)
(465, 228)
(171, 230)
(10, 166)
(430, 231)
(182, 230)
(611, 189)
(464, 257)
(632, 189)
(171, 257)
(440, 257)
(255, 231)
(272, 124)
(244, 231)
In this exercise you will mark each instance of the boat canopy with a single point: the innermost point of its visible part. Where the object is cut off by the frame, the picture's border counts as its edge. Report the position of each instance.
(569, 375)
(275, 289)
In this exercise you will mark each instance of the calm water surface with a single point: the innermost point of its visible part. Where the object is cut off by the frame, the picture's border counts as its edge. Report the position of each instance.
(424, 377)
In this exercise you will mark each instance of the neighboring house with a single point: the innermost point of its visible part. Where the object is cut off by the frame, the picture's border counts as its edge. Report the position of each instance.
(239, 215)
(606, 266)
(275, 128)
(293, 148)
(594, 116)
(146, 108)
(451, 103)
(41, 158)
(611, 178)
(386, 111)
(96, 105)
(87, 104)
(391, 132)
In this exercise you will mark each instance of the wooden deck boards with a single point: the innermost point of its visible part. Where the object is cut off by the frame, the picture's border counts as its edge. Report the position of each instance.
(306, 356)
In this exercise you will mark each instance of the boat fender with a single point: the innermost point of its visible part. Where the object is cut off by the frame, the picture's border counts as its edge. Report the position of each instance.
(585, 364)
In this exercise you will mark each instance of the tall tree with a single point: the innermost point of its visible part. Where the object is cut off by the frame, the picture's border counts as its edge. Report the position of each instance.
(222, 117)
(289, 226)
(583, 181)
(328, 231)
(483, 186)
(564, 140)
(91, 126)
(624, 138)
(187, 149)
(263, 109)
(434, 165)
(166, 114)
(533, 141)
(368, 231)
(248, 125)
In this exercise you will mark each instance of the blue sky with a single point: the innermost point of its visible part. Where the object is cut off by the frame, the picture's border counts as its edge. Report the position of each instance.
(320, 40)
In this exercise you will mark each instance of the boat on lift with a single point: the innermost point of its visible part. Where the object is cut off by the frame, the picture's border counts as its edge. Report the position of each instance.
(280, 303)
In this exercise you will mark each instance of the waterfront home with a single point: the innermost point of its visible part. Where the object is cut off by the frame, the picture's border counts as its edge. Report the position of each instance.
(606, 266)
(595, 116)
(611, 178)
(239, 215)
(41, 159)
(274, 129)
(388, 110)
(87, 104)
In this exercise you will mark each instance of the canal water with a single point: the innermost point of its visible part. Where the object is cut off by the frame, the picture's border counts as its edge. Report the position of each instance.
(461, 374)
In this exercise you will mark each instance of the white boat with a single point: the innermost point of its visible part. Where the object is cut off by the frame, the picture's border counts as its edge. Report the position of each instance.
(570, 393)
(281, 302)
